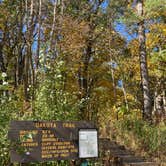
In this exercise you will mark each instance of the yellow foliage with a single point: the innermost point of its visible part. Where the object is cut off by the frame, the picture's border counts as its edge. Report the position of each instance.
(156, 36)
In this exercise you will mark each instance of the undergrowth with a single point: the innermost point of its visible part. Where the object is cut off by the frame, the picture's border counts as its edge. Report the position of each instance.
(144, 138)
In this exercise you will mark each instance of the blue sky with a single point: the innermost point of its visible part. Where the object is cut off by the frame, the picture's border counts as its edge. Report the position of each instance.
(120, 27)
(104, 4)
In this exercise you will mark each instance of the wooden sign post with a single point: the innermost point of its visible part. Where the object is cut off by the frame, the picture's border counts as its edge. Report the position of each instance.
(33, 141)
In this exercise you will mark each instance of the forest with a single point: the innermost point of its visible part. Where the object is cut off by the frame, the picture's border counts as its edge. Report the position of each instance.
(95, 60)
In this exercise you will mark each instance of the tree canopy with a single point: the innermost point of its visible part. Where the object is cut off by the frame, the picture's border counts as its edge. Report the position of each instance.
(66, 60)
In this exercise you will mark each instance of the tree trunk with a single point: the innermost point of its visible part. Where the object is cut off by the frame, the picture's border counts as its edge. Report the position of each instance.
(39, 34)
(28, 56)
(20, 57)
(2, 64)
(83, 81)
(53, 41)
(147, 104)
(159, 101)
(26, 69)
(84, 78)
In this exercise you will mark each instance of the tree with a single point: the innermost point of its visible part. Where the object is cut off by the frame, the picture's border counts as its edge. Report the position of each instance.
(147, 103)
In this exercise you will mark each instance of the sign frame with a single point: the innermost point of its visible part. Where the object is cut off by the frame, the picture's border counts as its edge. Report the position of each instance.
(97, 144)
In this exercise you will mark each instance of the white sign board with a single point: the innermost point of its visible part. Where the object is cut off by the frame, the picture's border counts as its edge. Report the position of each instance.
(88, 143)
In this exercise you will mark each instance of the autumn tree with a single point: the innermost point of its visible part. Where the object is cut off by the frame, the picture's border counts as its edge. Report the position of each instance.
(147, 102)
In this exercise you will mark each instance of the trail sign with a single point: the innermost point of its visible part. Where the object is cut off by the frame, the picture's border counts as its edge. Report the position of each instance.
(45, 140)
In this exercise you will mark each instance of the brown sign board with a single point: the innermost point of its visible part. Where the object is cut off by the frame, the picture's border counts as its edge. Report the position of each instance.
(33, 141)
